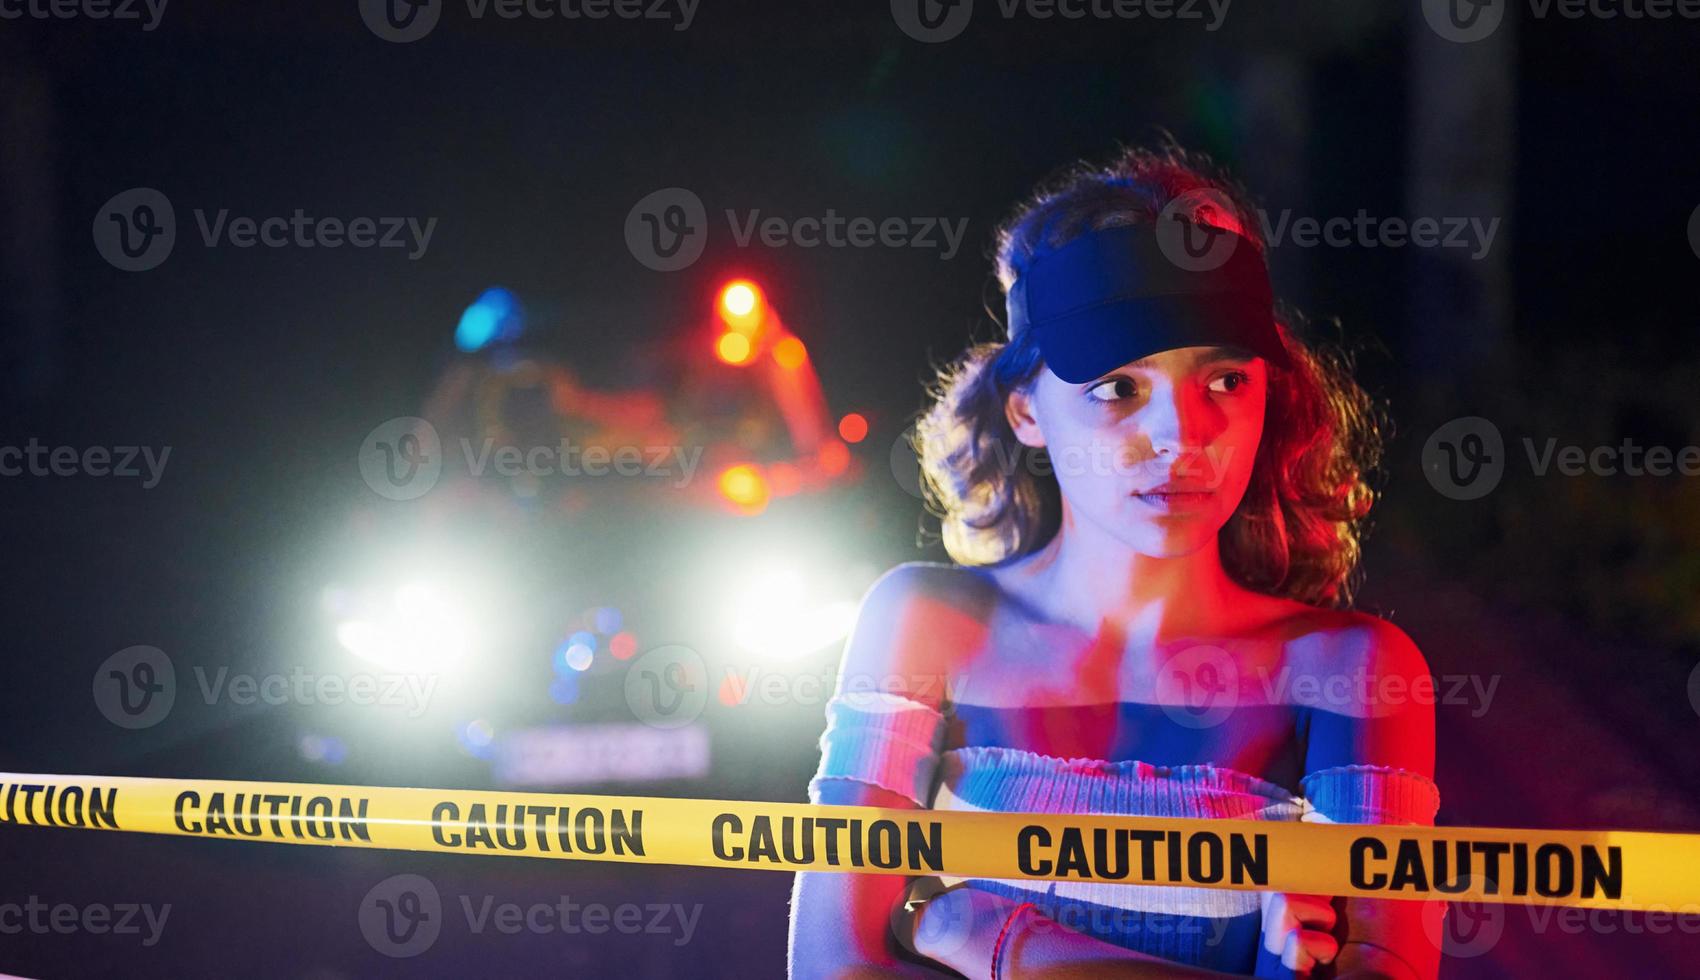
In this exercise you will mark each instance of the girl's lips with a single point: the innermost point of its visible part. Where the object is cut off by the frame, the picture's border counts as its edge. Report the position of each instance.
(1173, 500)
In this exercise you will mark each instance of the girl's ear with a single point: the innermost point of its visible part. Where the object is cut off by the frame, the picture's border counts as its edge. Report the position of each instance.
(1018, 408)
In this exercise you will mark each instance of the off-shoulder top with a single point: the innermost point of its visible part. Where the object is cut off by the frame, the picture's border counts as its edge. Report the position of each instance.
(957, 763)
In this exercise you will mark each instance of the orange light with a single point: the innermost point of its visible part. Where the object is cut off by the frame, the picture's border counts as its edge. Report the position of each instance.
(834, 458)
(742, 305)
(733, 348)
(853, 427)
(744, 486)
(785, 478)
(790, 353)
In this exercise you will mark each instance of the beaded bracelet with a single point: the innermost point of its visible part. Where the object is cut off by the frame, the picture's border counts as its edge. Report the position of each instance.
(1003, 934)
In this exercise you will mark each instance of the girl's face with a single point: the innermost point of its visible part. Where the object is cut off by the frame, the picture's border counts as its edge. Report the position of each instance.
(1157, 453)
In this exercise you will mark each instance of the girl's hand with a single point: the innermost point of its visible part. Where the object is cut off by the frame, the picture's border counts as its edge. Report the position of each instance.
(1299, 929)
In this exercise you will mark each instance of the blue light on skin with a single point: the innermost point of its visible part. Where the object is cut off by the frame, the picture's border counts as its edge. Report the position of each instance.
(494, 316)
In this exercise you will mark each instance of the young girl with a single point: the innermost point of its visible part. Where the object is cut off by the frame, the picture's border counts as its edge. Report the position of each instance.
(1154, 492)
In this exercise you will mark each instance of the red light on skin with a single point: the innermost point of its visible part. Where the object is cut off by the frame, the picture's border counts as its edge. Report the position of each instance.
(733, 348)
(853, 427)
(834, 458)
(790, 353)
(622, 646)
(742, 306)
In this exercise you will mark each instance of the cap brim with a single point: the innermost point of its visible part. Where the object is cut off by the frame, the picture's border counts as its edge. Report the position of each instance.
(1090, 343)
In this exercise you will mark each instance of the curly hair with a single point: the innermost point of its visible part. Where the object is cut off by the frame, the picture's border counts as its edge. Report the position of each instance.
(1297, 532)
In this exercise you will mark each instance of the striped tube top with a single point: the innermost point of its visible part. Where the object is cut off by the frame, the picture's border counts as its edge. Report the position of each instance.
(898, 744)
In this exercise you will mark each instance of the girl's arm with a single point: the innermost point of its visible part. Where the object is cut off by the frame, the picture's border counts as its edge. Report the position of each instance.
(963, 928)
(841, 924)
(1393, 735)
(914, 626)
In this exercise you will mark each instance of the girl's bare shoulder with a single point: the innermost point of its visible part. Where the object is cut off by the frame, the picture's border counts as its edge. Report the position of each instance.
(920, 621)
(1329, 641)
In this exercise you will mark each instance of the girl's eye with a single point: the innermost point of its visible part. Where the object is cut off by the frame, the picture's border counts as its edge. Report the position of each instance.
(1112, 389)
(1231, 381)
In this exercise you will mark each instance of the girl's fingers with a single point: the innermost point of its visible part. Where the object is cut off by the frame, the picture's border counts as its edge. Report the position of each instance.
(1307, 948)
(1312, 911)
(1299, 929)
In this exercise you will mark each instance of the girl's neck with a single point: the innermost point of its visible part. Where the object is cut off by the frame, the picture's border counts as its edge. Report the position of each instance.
(1094, 581)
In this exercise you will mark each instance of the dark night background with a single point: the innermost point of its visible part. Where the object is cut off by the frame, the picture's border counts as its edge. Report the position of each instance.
(529, 141)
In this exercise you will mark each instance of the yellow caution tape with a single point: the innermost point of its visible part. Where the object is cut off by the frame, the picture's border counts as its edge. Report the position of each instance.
(1585, 868)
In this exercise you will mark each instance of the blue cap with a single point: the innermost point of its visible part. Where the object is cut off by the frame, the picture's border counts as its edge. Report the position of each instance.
(1116, 295)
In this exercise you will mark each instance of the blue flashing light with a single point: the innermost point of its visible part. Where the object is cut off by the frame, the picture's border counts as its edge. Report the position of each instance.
(494, 316)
